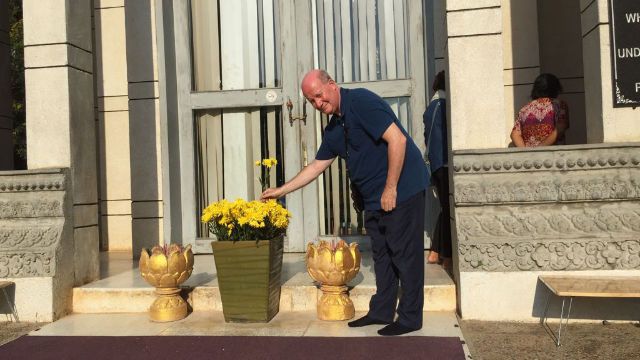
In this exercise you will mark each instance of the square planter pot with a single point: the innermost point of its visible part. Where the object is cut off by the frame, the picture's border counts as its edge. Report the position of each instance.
(249, 278)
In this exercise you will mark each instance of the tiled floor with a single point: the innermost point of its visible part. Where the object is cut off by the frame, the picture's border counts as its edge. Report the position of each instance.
(212, 324)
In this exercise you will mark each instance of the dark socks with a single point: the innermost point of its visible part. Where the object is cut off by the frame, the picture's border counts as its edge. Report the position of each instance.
(366, 320)
(395, 329)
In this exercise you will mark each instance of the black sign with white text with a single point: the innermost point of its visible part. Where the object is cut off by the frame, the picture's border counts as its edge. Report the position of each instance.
(625, 48)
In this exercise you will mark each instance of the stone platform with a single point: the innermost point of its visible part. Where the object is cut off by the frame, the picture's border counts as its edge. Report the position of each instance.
(121, 289)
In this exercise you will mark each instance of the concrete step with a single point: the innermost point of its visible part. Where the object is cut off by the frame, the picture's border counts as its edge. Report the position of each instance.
(122, 289)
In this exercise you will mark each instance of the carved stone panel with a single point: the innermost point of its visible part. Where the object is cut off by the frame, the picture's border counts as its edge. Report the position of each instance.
(32, 180)
(554, 255)
(566, 158)
(501, 224)
(32, 221)
(32, 208)
(23, 237)
(27, 264)
(556, 187)
(557, 208)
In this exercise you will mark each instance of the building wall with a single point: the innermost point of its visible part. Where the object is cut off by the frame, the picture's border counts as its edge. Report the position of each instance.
(6, 118)
(604, 123)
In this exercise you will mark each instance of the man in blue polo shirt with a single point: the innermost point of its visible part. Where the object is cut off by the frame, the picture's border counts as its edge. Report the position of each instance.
(387, 168)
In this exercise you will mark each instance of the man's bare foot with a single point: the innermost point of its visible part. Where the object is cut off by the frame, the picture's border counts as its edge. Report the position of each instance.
(433, 257)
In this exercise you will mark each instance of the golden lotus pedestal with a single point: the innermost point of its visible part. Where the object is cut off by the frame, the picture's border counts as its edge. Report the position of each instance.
(165, 268)
(335, 304)
(168, 306)
(333, 266)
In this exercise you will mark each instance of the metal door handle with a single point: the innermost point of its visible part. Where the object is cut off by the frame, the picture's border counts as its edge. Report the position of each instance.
(294, 117)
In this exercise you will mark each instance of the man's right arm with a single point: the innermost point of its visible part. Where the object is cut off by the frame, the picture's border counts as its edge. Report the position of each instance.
(305, 176)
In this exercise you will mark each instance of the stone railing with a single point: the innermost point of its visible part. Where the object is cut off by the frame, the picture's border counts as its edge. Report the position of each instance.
(554, 208)
(36, 240)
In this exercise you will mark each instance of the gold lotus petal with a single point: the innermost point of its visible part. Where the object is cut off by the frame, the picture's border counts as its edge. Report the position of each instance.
(325, 260)
(149, 279)
(177, 263)
(324, 245)
(174, 248)
(348, 262)
(335, 278)
(320, 276)
(154, 279)
(158, 263)
(314, 274)
(339, 259)
(355, 252)
(157, 250)
(188, 256)
(143, 264)
(183, 277)
(311, 255)
(311, 250)
(167, 280)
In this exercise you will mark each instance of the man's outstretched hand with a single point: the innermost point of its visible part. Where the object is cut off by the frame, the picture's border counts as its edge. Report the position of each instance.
(272, 193)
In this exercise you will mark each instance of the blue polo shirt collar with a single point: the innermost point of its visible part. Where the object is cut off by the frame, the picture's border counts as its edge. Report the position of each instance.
(344, 102)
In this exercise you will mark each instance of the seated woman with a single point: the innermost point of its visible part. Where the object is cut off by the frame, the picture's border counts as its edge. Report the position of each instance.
(544, 120)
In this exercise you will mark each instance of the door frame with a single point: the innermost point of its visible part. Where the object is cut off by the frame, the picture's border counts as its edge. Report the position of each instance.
(178, 101)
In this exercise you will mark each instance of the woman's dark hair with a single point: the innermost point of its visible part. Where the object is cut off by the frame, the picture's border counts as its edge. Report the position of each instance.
(438, 81)
(546, 85)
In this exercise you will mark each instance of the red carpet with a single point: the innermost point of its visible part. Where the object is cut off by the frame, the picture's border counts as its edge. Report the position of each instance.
(231, 347)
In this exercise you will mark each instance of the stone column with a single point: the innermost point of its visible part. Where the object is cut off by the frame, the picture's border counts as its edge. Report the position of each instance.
(60, 116)
(475, 72)
(6, 120)
(604, 123)
(144, 125)
(521, 55)
(113, 125)
(476, 94)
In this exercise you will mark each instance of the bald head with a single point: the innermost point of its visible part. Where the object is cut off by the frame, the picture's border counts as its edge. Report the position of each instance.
(321, 91)
(313, 76)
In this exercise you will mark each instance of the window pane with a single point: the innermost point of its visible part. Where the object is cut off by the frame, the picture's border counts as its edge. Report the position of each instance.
(361, 40)
(235, 44)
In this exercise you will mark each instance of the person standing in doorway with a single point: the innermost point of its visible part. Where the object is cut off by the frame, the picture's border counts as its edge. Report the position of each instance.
(437, 145)
(387, 168)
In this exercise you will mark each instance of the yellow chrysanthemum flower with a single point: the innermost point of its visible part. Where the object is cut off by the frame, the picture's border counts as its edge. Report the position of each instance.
(246, 220)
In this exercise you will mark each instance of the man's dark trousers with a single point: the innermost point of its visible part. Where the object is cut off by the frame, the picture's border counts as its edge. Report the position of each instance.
(397, 241)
